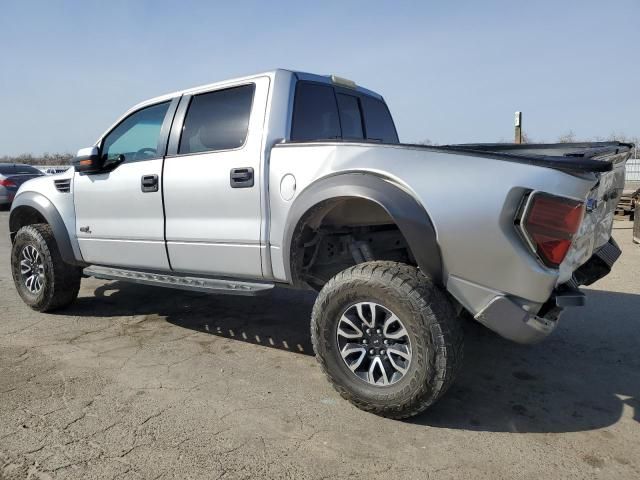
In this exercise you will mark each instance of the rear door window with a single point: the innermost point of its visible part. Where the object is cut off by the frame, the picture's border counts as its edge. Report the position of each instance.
(315, 113)
(217, 120)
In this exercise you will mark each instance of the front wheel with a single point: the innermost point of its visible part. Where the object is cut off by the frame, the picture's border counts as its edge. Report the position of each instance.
(387, 338)
(43, 280)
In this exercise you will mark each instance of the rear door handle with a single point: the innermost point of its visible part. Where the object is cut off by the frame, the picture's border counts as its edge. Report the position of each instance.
(241, 177)
(149, 183)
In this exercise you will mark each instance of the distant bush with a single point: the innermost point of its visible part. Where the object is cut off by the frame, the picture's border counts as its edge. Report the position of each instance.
(45, 159)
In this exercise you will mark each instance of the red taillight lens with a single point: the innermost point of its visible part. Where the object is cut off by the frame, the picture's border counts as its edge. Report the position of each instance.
(6, 182)
(550, 224)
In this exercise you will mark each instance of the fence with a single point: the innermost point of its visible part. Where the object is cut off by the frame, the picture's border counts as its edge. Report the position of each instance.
(633, 170)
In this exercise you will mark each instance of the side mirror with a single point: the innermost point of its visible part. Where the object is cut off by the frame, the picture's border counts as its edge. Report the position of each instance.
(87, 160)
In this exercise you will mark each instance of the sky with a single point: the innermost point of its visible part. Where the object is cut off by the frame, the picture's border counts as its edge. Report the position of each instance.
(451, 71)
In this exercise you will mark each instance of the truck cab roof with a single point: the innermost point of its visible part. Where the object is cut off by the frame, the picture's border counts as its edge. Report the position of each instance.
(295, 75)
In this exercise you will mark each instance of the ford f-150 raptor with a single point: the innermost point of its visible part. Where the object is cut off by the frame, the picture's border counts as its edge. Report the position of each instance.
(289, 178)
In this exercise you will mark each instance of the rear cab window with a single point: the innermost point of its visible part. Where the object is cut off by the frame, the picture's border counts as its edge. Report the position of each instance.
(328, 112)
(378, 121)
(315, 113)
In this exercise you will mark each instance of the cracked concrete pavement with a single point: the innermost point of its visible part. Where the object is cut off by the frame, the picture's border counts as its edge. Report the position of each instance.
(140, 382)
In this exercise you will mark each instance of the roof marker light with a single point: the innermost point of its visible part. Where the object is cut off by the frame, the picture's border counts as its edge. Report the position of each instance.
(345, 82)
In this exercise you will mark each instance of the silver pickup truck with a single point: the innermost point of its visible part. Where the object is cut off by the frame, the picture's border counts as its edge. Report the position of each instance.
(288, 178)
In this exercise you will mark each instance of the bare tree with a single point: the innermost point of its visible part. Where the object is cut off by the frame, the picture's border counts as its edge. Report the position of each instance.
(568, 137)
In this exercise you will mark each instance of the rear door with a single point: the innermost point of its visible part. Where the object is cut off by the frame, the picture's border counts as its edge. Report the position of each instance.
(119, 214)
(212, 181)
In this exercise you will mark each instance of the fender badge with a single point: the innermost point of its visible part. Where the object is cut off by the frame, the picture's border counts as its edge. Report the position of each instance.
(591, 204)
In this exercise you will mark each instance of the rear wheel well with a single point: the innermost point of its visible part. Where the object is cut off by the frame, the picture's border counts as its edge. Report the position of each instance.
(339, 233)
(22, 216)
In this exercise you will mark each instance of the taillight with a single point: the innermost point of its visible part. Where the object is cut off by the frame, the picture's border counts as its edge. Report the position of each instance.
(5, 182)
(549, 223)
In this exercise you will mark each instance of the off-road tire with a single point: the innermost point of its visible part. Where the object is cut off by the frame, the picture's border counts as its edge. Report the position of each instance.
(434, 330)
(61, 280)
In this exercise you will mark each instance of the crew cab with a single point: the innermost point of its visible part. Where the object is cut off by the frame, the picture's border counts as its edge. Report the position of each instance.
(289, 178)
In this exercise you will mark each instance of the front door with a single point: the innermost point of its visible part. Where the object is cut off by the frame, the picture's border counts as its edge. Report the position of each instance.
(212, 181)
(119, 212)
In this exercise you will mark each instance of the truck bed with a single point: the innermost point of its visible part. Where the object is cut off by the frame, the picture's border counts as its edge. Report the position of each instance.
(569, 157)
(576, 157)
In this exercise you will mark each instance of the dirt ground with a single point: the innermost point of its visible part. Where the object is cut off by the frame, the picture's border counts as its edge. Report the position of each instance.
(140, 382)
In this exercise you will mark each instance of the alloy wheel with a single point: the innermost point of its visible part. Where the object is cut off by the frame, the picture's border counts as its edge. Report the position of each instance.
(32, 269)
(373, 343)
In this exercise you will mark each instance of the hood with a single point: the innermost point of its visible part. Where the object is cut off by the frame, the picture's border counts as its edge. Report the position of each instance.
(44, 184)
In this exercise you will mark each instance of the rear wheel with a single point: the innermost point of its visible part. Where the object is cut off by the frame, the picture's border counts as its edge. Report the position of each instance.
(387, 338)
(43, 280)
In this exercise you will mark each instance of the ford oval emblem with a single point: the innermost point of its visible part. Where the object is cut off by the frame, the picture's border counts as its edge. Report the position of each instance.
(592, 204)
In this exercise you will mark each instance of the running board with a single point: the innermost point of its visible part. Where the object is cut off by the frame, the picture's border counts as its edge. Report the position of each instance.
(199, 284)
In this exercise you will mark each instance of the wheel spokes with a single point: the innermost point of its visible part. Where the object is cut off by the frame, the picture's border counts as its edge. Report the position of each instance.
(32, 269)
(399, 350)
(29, 282)
(349, 350)
(398, 331)
(370, 322)
(378, 365)
(25, 266)
(355, 331)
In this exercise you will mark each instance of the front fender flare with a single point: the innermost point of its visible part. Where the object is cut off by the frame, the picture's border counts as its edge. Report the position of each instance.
(408, 213)
(69, 247)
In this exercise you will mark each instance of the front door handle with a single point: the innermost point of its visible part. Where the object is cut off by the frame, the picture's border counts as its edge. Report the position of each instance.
(241, 177)
(149, 183)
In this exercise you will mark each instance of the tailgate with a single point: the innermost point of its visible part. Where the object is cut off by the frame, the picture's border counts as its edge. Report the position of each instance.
(597, 224)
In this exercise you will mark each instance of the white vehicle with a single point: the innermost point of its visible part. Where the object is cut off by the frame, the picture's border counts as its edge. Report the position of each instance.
(297, 179)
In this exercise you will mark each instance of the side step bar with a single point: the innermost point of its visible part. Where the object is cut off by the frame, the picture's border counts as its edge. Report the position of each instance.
(198, 284)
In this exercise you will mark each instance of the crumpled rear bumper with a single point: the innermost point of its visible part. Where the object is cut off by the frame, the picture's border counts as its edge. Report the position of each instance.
(507, 317)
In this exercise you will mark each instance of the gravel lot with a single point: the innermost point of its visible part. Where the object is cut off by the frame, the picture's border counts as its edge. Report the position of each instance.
(140, 382)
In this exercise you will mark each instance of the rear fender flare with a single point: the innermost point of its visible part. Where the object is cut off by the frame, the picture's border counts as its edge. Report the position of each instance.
(408, 214)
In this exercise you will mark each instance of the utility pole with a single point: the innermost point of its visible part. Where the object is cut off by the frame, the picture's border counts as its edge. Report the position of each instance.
(518, 131)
